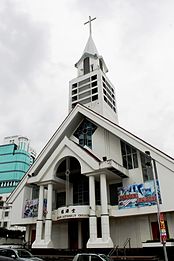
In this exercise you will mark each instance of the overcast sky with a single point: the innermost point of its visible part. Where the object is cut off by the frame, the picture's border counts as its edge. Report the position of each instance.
(41, 40)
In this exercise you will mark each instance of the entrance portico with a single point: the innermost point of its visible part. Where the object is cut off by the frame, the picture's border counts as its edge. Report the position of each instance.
(44, 223)
(75, 198)
(105, 240)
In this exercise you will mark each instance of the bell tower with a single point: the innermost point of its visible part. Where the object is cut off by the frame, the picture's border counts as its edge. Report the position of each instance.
(91, 87)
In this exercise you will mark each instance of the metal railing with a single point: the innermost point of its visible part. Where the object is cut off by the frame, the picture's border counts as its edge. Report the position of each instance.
(127, 242)
(115, 248)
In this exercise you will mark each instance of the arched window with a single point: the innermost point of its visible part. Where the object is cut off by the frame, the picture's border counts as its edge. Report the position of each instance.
(70, 171)
(86, 65)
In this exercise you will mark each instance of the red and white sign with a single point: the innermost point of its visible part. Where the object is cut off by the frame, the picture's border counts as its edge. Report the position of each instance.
(163, 233)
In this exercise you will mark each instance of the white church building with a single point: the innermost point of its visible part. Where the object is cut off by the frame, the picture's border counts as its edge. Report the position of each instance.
(95, 184)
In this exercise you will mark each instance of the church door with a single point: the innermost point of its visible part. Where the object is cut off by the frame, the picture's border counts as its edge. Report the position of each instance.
(73, 234)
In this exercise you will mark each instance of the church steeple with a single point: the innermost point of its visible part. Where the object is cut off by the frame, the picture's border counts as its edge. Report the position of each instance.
(90, 47)
(91, 87)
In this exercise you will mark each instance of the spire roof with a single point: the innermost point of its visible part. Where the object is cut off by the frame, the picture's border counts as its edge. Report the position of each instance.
(90, 47)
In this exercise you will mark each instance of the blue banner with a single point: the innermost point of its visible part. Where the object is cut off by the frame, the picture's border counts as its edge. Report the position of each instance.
(138, 195)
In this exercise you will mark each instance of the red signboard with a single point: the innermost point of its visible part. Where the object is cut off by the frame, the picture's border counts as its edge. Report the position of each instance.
(163, 234)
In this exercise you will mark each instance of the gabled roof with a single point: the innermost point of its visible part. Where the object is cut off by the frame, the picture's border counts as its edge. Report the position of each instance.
(68, 147)
(71, 122)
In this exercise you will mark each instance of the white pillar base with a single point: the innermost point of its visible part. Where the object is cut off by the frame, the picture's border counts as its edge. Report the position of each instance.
(42, 244)
(99, 243)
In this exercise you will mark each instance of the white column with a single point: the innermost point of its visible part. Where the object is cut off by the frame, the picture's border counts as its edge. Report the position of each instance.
(92, 212)
(48, 219)
(39, 225)
(104, 208)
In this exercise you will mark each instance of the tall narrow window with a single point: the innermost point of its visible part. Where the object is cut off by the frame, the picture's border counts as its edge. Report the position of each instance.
(84, 133)
(35, 192)
(101, 64)
(129, 156)
(113, 190)
(86, 65)
(146, 168)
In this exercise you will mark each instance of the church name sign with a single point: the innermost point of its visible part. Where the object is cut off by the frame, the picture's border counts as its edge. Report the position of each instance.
(71, 212)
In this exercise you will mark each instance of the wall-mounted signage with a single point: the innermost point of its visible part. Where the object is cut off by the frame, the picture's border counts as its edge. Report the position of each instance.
(31, 208)
(137, 195)
(72, 212)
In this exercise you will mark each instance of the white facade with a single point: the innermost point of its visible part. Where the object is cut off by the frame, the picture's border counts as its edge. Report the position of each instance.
(102, 166)
(90, 186)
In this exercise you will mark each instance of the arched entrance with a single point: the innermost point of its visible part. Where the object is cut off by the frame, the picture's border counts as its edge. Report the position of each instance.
(77, 185)
(75, 193)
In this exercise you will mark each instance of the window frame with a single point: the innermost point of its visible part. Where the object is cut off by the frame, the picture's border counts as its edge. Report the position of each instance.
(129, 155)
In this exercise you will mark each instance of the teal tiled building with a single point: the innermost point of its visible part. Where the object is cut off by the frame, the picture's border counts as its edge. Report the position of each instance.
(16, 156)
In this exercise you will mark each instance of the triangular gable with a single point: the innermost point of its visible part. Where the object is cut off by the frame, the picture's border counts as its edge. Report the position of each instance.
(88, 162)
(127, 136)
(65, 149)
(71, 122)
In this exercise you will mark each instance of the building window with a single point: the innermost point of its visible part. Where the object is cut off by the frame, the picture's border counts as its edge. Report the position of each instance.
(6, 213)
(95, 97)
(84, 133)
(146, 168)
(60, 199)
(5, 224)
(95, 90)
(94, 84)
(84, 81)
(113, 191)
(74, 92)
(74, 98)
(35, 192)
(81, 191)
(86, 66)
(94, 77)
(101, 64)
(1, 203)
(129, 156)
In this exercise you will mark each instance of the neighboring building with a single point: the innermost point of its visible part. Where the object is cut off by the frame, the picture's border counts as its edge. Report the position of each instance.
(93, 185)
(16, 156)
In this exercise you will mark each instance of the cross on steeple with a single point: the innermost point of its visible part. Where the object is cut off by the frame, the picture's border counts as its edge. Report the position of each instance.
(90, 27)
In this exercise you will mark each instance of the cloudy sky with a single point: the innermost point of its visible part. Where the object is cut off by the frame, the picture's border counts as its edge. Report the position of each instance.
(41, 40)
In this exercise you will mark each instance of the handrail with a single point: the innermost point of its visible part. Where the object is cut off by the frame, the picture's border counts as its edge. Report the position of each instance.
(113, 250)
(125, 244)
